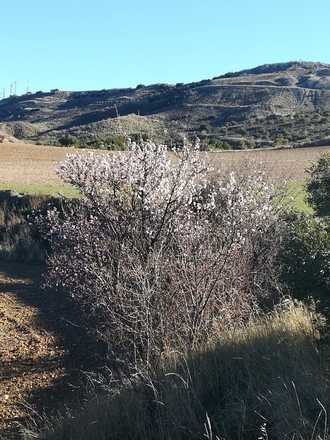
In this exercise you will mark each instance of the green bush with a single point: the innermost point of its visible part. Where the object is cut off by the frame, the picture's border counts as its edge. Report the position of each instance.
(216, 144)
(111, 143)
(306, 257)
(318, 185)
(68, 141)
(281, 141)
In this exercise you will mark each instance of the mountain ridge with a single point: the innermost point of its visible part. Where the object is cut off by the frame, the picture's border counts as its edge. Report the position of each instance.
(252, 107)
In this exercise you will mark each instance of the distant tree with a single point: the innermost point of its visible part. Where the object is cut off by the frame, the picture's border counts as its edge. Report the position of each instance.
(217, 144)
(242, 131)
(203, 127)
(250, 143)
(281, 141)
(318, 185)
(68, 141)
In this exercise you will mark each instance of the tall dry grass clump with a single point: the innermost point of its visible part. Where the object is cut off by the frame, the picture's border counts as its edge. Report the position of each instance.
(263, 381)
(18, 238)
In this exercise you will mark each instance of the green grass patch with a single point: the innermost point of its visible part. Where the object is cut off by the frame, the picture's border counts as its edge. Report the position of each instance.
(47, 189)
(296, 197)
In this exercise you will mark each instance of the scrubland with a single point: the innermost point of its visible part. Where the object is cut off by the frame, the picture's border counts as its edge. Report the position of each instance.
(186, 292)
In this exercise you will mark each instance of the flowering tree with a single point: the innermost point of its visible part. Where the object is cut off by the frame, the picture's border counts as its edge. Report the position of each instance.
(157, 255)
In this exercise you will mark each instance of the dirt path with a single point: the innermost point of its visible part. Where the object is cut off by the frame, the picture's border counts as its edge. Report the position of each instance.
(32, 360)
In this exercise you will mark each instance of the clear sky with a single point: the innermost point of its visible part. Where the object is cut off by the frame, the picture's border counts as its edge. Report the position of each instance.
(96, 44)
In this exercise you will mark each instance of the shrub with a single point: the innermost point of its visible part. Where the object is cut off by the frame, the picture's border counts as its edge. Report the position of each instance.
(68, 141)
(156, 256)
(318, 185)
(281, 141)
(216, 144)
(306, 258)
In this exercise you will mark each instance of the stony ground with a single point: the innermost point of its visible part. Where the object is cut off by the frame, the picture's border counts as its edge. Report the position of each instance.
(34, 367)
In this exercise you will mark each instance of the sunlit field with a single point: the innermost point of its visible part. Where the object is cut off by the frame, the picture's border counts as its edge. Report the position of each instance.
(31, 168)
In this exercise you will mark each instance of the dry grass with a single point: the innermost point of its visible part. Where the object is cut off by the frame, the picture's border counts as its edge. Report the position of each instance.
(289, 164)
(17, 239)
(23, 163)
(266, 381)
(31, 168)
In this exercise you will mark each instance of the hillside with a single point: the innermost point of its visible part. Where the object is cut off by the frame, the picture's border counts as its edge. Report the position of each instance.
(268, 105)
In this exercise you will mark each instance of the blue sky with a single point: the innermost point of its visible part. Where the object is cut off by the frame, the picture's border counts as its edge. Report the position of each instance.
(95, 44)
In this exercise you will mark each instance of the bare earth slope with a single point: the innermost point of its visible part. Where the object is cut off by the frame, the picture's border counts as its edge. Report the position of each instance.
(258, 106)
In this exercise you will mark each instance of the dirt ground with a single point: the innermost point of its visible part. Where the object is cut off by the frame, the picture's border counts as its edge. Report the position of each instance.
(24, 163)
(35, 369)
(35, 164)
(288, 164)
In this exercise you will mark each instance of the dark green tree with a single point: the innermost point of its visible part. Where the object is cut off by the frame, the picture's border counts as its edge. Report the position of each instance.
(68, 141)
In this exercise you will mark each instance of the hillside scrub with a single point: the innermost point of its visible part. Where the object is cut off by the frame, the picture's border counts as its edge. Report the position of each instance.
(263, 381)
(156, 255)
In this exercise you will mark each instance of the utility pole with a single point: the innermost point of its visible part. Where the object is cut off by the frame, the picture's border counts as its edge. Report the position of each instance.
(15, 87)
(11, 89)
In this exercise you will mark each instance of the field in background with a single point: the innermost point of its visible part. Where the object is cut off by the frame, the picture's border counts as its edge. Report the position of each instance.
(31, 168)
(279, 164)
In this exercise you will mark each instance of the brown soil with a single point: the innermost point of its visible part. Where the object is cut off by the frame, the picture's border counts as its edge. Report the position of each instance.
(28, 164)
(288, 164)
(24, 163)
(34, 367)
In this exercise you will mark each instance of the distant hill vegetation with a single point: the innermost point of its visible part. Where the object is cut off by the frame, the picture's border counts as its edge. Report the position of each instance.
(270, 105)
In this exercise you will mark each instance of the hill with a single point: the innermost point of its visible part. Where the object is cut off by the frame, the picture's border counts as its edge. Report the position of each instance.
(264, 106)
